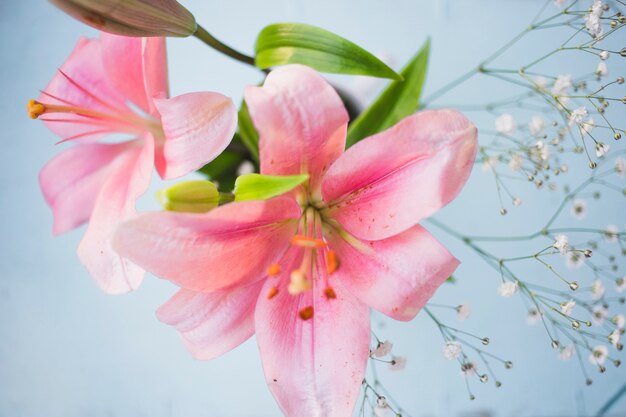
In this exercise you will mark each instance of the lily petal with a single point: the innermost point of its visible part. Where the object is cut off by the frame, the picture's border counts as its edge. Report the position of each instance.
(83, 82)
(397, 275)
(128, 179)
(197, 127)
(313, 367)
(155, 74)
(388, 182)
(301, 121)
(213, 323)
(72, 180)
(232, 244)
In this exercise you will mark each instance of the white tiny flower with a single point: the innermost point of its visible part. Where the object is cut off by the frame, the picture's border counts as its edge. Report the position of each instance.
(560, 3)
(562, 85)
(574, 260)
(505, 124)
(489, 163)
(620, 284)
(540, 81)
(602, 149)
(611, 233)
(452, 350)
(598, 355)
(593, 23)
(602, 70)
(619, 320)
(597, 289)
(533, 317)
(383, 349)
(516, 162)
(620, 167)
(587, 126)
(604, 55)
(463, 311)
(568, 307)
(567, 352)
(615, 337)
(599, 315)
(561, 243)
(468, 369)
(246, 167)
(507, 289)
(578, 115)
(382, 407)
(397, 363)
(536, 125)
(579, 209)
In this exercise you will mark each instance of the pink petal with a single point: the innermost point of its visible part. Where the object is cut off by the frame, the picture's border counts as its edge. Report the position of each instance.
(198, 127)
(211, 324)
(301, 121)
(390, 181)
(137, 67)
(128, 179)
(233, 244)
(397, 275)
(72, 180)
(313, 367)
(82, 82)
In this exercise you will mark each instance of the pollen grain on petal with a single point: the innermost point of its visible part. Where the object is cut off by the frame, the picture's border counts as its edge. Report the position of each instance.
(273, 270)
(273, 292)
(332, 263)
(35, 109)
(306, 313)
(330, 294)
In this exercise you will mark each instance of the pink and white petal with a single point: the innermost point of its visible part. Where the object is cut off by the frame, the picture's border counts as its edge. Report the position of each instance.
(212, 323)
(72, 180)
(197, 127)
(82, 82)
(301, 120)
(232, 244)
(388, 182)
(396, 276)
(128, 179)
(155, 70)
(313, 367)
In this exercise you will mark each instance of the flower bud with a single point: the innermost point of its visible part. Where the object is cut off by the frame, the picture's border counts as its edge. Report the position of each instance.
(197, 196)
(132, 17)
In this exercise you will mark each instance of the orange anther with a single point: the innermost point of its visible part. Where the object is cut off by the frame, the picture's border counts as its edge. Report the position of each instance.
(332, 263)
(330, 293)
(35, 109)
(273, 270)
(307, 242)
(306, 313)
(272, 293)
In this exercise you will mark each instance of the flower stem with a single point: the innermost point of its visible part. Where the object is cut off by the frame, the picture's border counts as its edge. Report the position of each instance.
(210, 40)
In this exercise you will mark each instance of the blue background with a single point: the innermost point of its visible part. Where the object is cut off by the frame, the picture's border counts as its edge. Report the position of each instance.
(67, 349)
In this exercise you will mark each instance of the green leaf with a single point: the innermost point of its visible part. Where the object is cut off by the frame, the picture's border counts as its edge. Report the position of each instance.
(297, 43)
(247, 133)
(398, 101)
(197, 196)
(263, 187)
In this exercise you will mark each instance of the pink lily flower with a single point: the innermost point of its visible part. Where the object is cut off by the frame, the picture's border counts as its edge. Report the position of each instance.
(302, 270)
(118, 85)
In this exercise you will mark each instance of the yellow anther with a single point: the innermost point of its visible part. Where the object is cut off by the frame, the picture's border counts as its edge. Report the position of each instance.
(272, 293)
(332, 263)
(298, 283)
(306, 313)
(35, 109)
(273, 270)
(307, 242)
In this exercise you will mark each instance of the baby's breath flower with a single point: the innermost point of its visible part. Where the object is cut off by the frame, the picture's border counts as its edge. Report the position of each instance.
(463, 311)
(579, 209)
(562, 85)
(615, 337)
(397, 363)
(620, 167)
(507, 289)
(578, 115)
(604, 55)
(516, 162)
(602, 70)
(540, 81)
(602, 149)
(383, 349)
(568, 307)
(452, 350)
(489, 163)
(587, 125)
(599, 315)
(468, 369)
(560, 3)
(619, 320)
(574, 260)
(561, 243)
(597, 289)
(593, 23)
(611, 233)
(536, 125)
(505, 124)
(598, 355)
(533, 317)
(567, 352)
(620, 284)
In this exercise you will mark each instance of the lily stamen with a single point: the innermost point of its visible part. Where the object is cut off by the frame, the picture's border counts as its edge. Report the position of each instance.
(307, 242)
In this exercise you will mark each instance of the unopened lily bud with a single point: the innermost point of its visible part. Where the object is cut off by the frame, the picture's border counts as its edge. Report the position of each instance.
(132, 17)
(197, 196)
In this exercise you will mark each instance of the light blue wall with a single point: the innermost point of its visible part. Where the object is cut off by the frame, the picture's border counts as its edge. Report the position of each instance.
(66, 349)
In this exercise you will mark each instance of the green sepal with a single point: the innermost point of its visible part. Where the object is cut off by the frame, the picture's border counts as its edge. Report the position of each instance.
(263, 187)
